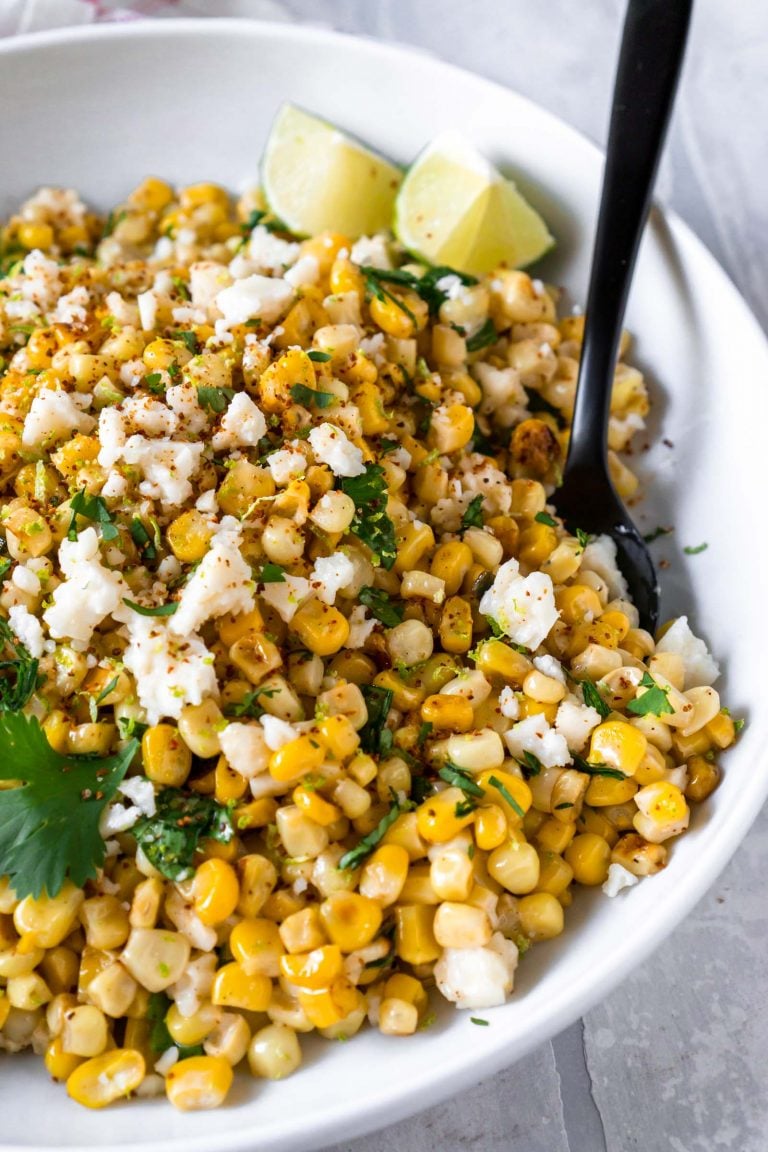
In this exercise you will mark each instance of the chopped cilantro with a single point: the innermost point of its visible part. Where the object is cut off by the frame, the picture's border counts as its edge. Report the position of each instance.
(355, 857)
(593, 699)
(157, 610)
(653, 702)
(425, 731)
(693, 550)
(381, 606)
(531, 765)
(387, 446)
(473, 513)
(371, 524)
(375, 737)
(154, 383)
(271, 574)
(189, 339)
(309, 397)
(479, 1020)
(215, 399)
(249, 706)
(170, 838)
(318, 357)
(597, 769)
(507, 795)
(18, 676)
(545, 518)
(5, 564)
(142, 539)
(93, 508)
(582, 537)
(107, 689)
(460, 778)
(483, 338)
(657, 532)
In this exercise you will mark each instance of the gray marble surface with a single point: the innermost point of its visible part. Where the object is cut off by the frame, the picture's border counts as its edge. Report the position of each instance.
(674, 1060)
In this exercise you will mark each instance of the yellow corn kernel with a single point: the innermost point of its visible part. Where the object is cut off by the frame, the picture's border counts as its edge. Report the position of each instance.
(350, 919)
(617, 620)
(242, 486)
(461, 926)
(401, 317)
(257, 947)
(384, 874)
(316, 807)
(554, 836)
(604, 791)
(555, 874)
(325, 247)
(589, 856)
(216, 891)
(703, 778)
(453, 713)
(275, 383)
(190, 1030)
(541, 916)
(199, 1082)
(619, 745)
(166, 758)
(338, 735)
(414, 541)
(315, 969)
(59, 969)
(256, 813)
(497, 659)
(160, 354)
(296, 758)
(490, 827)
(321, 628)
(233, 987)
(233, 628)
(536, 544)
(152, 195)
(662, 813)
(437, 819)
(370, 405)
(189, 536)
(105, 922)
(450, 563)
(325, 1007)
(35, 234)
(59, 1064)
(577, 603)
(697, 744)
(255, 656)
(638, 856)
(515, 865)
(106, 1078)
(721, 730)
(514, 786)
(451, 428)
(415, 941)
(455, 628)
(405, 696)
(44, 921)
(257, 877)
(345, 276)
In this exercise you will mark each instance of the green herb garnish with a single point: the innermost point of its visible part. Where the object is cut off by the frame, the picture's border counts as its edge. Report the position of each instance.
(107, 689)
(472, 516)
(371, 524)
(530, 764)
(92, 508)
(658, 531)
(381, 606)
(545, 518)
(460, 778)
(271, 574)
(157, 610)
(309, 397)
(653, 702)
(154, 383)
(18, 677)
(170, 838)
(593, 699)
(319, 357)
(250, 707)
(355, 857)
(582, 537)
(694, 550)
(597, 769)
(375, 737)
(479, 1020)
(142, 539)
(507, 795)
(189, 339)
(483, 338)
(215, 399)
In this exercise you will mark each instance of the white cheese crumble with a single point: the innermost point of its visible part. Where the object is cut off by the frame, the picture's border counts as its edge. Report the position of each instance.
(478, 977)
(509, 704)
(574, 722)
(148, 304)
(700, 668)
(500, 386)
(599, 556)
(522, 606)
(27, 628)
(304, 273)
(72, 308)
(221, 583)
(54, 415)
(286, 597)
(371, 250)
(141, 792)
(329, 575)
(286, 465)
(167, 466)
(549, 666)
(254, 297)
(245, 748)
(277, 732)
(269, 253)
(618, 877)
(331, 446)
(170, 671)
(360, 627)
(242, 425)
(534, 735)
(88, 594)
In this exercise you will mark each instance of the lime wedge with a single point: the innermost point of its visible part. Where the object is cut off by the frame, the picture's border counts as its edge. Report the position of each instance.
(315, 177)
(455, 208)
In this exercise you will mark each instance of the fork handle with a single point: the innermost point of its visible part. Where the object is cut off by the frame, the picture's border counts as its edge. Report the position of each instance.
(652, 49)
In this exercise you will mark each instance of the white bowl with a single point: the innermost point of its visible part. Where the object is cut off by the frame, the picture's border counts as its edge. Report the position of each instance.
(193, 100)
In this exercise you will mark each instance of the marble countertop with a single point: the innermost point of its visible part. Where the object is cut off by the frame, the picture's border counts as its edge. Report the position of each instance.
(673, 1061)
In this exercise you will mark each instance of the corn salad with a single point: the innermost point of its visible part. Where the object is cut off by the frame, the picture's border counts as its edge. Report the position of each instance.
(356, 713)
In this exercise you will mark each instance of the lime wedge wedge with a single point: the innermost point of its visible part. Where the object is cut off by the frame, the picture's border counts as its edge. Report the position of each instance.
(455, 208)
(315, 177)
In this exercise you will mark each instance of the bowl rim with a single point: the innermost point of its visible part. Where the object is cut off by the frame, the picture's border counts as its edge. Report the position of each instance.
(403, 1101)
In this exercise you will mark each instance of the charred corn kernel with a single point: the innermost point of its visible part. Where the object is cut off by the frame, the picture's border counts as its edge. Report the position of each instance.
(315, 969)
(662, 813)
(442, 816)
(35, 234)
(189, 536)
(397, 1017)
(338, 735)
(604, 791)
(415, 941)
(105, 922)
(405, 696)
(589, 856)
(497, 659)
(490, 827)
(515, 865)
(461, 926)
(619, 745)
(316, 807)
(155, 957)
(296, 758)
(554, 836)
(44, 921)
(274, 1052)
(514, 786)
(721, 730)
(256, 945)
(106, 1078)
(258, 877)
(59, 1064)
(703, 778)
(450, 563)
(555, 874)
(414, 541)
(199, 1082)
(541, 916)
(448, 712)
(255, 656)
(536, 543)
(455, 628)
(215, 891)
(350, 919)
(166, 758)
(233, 987)
(325, 1007)
(578, 603)
(638, 856)
(321, 628)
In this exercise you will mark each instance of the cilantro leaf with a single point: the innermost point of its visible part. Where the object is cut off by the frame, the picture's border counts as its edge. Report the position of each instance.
(157, 610)
(355, 857)
(425, 731)
(319, 357)
(481, 443)
(507, 795)
(530, 764)
(189, 339)
(18, 677)
(160, 1039)
(460, 778)
(653, 702)
(387, 446)
(142, 539)
(375, 737)
(5, 564)
(107, 689)
(215, 399)
(249, 705)
(593, 699)
(310, 396)
(658, 531)
(582, 537)
(49, 823)
(483, 338)
(154, 383)
(545, 518)
(479, 1020)
(426, 286)
(271, 574)
(473, 513)
(601, 769)
(93, 508)
(170, 838)
(371, 524)
(381, 606)
(691, 550)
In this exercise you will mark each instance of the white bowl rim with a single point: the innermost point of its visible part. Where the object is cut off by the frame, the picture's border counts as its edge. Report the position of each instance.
(437, 1084)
